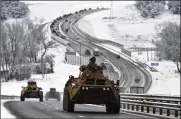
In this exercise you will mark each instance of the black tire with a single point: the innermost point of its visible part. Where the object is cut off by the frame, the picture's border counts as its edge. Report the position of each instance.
(41, 96)
(22, 98)
(67, 104)
(58, 96)
(113, 107)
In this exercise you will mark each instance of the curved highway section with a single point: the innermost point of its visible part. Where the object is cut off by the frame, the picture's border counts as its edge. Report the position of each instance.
(130, 71)
(54, 109)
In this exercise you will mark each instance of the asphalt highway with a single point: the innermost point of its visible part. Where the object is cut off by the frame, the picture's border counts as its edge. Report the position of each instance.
(54, 109)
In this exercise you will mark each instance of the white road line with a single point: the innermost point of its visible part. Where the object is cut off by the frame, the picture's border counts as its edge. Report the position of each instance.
(94, 105)
(56, 108)
(80, 116)
(45, 104)
(50, 106)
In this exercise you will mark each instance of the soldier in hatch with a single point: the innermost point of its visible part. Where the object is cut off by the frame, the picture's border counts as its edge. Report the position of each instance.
(92, 66)
(31, 86)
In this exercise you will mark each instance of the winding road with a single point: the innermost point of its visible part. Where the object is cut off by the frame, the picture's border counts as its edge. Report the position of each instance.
(130, 71)
(54, 109)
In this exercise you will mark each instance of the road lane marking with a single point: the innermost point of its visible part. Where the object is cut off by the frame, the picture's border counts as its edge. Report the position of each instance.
(80, 116)
(44, 103)
(56, 108)
(50, 106)
(94, 105)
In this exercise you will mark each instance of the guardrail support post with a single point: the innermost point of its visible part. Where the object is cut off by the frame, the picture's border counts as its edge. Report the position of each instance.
(142, 108)
(128, 106)
(168, 112)
(160, 111)
(176, 113)
(132, 107)
(137, 107)
(124, 106)
(148, 109)
(154, 110)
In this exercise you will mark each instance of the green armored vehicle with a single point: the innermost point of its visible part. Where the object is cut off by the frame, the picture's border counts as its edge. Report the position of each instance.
(31, 91)
(52, 94)
(91, 87)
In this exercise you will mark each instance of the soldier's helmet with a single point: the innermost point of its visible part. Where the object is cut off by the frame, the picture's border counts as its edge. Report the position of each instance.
(93, 59)
(30, 82)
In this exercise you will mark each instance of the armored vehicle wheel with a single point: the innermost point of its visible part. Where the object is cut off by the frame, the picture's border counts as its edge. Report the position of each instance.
(113, 107)
(22, 98)
(58, 96)
(41, 96)
(67, 104)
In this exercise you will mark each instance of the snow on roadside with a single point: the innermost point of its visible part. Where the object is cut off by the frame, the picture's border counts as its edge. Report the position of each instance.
(56, 79)
(166, 80)
(131, 30)
(4, 112)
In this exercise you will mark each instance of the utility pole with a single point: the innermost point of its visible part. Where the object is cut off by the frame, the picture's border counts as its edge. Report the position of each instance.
(151, 53)
(147, 55)
(111, 11)
(80, 53)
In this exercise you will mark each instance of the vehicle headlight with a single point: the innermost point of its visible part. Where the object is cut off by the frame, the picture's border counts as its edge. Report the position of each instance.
(104, 88)
(107, 88)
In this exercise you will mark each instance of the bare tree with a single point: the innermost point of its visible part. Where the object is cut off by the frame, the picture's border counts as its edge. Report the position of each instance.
(169, 43)
(22, 42)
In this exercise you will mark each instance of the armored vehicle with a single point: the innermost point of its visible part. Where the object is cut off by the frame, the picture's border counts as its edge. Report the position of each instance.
(31, 91)
(53, 94)
(91, 87)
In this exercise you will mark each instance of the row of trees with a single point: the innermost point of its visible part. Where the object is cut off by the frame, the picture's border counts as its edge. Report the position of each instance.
(154, 8)
(168, 42)
(13, 9)
(20, 46)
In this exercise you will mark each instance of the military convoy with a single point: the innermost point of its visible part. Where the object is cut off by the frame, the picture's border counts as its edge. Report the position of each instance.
(31, 91)
(91, 87)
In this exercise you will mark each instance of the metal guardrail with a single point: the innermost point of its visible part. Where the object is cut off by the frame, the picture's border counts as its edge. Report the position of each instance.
(159, 103)
(9, 97)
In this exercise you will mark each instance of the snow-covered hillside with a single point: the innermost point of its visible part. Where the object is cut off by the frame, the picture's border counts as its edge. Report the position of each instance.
(131, 30)
(128, 28)
(126, 15)
(48, 11)
(57, 79)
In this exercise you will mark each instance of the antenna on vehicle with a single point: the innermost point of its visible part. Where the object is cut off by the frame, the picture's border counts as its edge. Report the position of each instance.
(80, 51)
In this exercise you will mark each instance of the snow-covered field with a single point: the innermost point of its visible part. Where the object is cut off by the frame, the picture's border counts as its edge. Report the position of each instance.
(56, 79)
(128, 28)
(166, 80)
(49, 10)
(131, 30)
